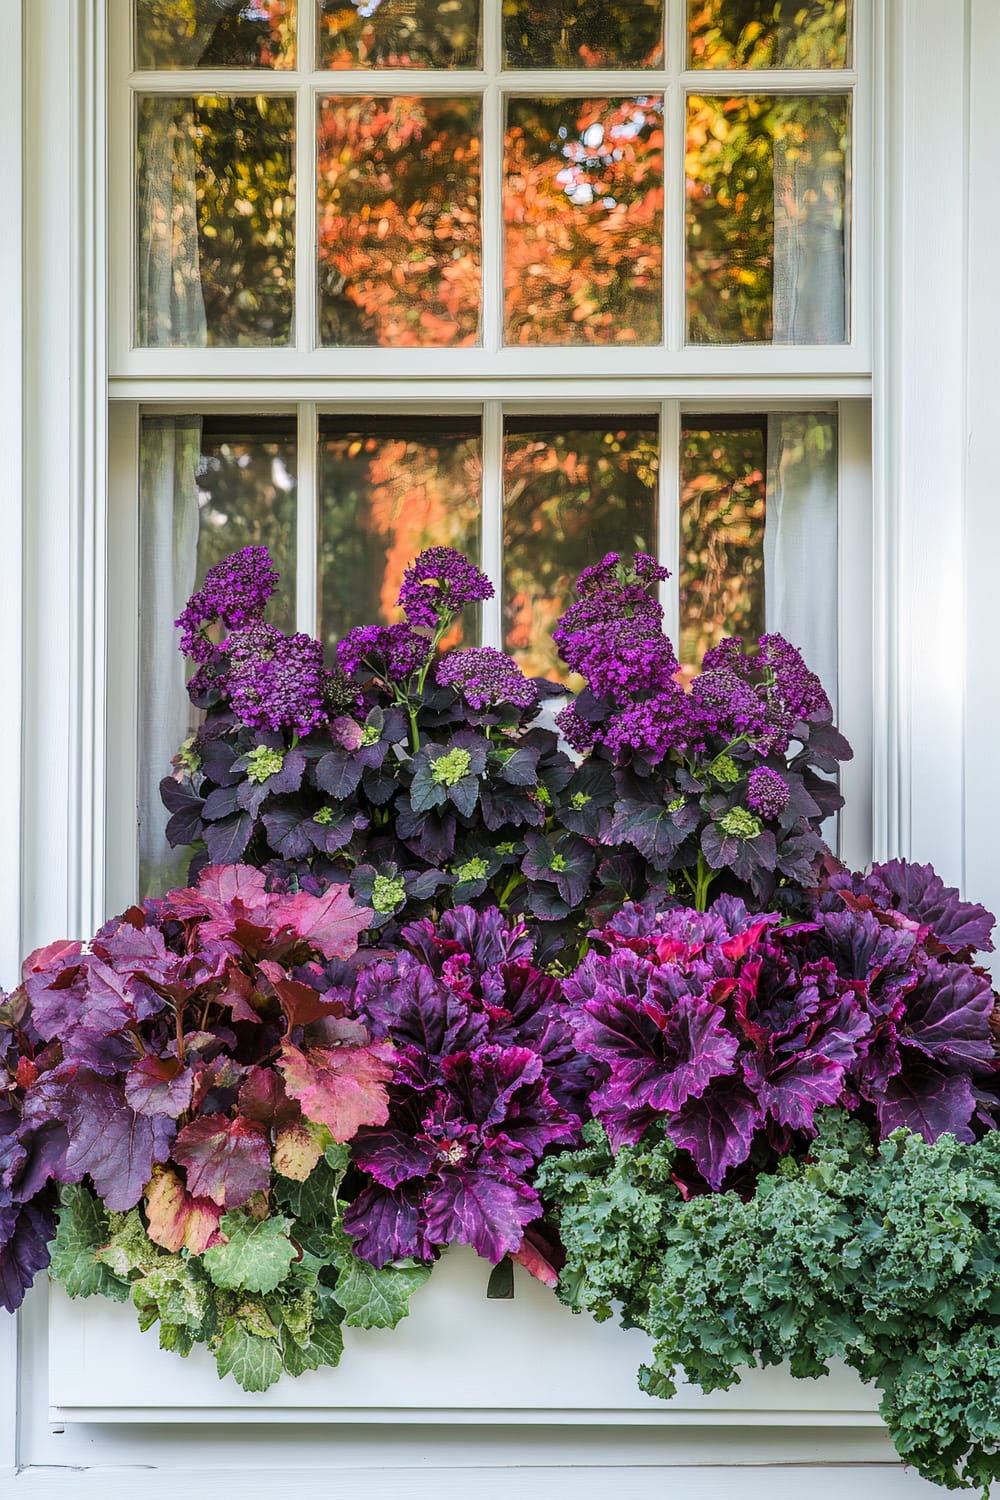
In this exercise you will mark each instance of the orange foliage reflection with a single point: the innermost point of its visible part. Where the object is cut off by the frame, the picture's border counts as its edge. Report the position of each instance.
(399, 234)
(583, 209)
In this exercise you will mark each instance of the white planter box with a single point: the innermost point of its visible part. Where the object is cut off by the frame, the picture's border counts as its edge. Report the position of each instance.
(458, 1358)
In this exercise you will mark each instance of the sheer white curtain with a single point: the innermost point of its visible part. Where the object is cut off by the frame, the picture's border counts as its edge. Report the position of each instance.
(800, 538)
(171, 447)
(809, 292)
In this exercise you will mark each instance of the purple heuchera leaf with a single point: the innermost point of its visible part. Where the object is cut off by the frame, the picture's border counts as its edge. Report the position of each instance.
(919, 892)
(388, 1225)
(108, 1141)
(948, 1015)
(476, 1209)
(718, 1128)
(25, 1233)
(929, 1101)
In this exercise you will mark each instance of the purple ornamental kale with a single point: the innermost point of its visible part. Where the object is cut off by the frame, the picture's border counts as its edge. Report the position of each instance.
(392, 652)
(440, 583)
(235, 592)
(485, 678)
(487, 1077)
(276, 681)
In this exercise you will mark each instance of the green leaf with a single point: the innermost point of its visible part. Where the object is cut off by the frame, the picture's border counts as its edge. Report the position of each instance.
(82, 1230)
(314, 1199)
(324, 1348)
(253, 1362)
(373, 1298)
(256, 1257)
(175, 1293)
(130, 1249)
(176, 1340)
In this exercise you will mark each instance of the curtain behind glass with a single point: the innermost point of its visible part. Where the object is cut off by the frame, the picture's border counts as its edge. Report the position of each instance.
(169, 305)
(800, 538)
(169, 457)
(809, 292)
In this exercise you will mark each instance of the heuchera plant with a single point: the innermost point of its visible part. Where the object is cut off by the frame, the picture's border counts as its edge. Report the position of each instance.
(428, 780)
(183, 1072)
(731, 1031)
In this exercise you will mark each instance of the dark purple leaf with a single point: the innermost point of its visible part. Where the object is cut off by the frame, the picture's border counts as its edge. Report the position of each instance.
(385, 1225)
(928, 1101)
(339, 773)
(227, 840)
(159, 1086)
(917, 891)
(717, 1128)
(471, 1208)
(25, 1233)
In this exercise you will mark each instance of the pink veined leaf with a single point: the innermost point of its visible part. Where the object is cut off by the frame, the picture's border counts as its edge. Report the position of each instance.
(230, 883)
(332, 922)
(226, 1160)
(343, 1087)
(48, 957)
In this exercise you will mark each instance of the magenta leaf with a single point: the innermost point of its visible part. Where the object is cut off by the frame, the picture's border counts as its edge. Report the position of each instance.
(226, 1160)
(928, 1101)
(332, 922)
(342, 1087)
(717, 1129)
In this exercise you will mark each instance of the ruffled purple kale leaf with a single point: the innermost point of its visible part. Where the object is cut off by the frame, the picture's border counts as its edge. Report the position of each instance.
(935, 911)
(486, 1079)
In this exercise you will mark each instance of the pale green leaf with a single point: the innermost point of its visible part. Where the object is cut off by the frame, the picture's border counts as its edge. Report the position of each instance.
(256, 1257)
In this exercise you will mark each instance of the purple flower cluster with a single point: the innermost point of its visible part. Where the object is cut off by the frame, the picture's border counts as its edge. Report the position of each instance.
(767, 793)
(440, 583)
(613, 573)
(235, 592)
(276, 681)
(393, 651)
(484, 677)
(762, 697)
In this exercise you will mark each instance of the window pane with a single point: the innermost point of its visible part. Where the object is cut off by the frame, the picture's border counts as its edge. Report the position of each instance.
(723, 468)
(220, 34)
(583, 33)
(399, 234)
(389, 487)
(769, 33)
(399, 33)
(767, 219)
(583, 208)
(216, 217)
(574, 489)
(207, 486)
(758, 534)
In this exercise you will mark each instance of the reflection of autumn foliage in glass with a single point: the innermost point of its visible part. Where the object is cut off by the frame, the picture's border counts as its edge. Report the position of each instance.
(215, 33)
(399, 33)
(399, 235)
(247, 498)
(583, 33)
(736, 198)
(240, 260)
(574, 489)
(388, 488)
(583, 206)
(723, 464)
(769, 33)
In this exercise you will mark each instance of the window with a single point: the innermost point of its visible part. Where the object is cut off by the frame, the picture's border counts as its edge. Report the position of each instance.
(535, 280)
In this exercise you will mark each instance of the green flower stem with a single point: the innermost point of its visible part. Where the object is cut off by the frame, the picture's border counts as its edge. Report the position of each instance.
(445, 623)
(517, 879)
(700, 882)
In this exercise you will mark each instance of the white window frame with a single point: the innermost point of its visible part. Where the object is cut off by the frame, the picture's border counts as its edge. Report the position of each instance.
(933, 767)
(492, 361)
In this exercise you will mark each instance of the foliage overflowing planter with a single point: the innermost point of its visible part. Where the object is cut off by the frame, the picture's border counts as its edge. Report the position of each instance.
(598, 1006)
(459, 1357)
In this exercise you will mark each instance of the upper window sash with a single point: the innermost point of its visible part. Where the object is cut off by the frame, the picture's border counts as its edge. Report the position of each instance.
(306, 84)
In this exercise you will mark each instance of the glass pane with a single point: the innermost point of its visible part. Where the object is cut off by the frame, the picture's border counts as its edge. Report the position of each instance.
(216, 221)
(399, 33)
(583, 209)
(389, 487)
(207, 486)
(574, 489)
(215, 33)
(583, 33)
(758, 534)
(723, 468)
(769, 33)
(399, 233)
(767, 219)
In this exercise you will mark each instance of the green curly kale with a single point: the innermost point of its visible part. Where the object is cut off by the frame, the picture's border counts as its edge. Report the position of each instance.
(268, 1301)
(887, 1258)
